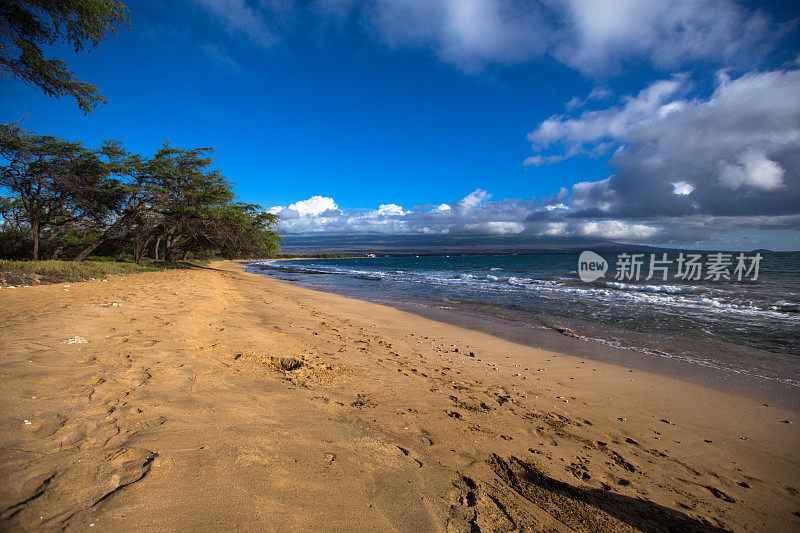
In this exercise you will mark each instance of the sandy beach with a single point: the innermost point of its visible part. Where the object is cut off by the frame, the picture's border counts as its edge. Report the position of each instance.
(215, 399)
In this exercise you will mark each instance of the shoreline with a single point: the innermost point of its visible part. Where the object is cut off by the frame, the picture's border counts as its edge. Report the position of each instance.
(222, 399)
(723, 379)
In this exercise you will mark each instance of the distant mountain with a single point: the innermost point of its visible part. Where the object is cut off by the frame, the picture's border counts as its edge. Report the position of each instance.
(448, 244)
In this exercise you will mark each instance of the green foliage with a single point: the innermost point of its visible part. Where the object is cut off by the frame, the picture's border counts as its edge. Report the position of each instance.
(14, 241)
(27, 25)
(54, 183)
(69, 201)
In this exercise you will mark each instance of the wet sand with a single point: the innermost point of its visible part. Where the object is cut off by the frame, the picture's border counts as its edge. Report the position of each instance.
(185, 409)
(723, 379)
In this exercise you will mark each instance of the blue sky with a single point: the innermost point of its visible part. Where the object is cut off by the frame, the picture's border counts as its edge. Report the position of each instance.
(467, 116)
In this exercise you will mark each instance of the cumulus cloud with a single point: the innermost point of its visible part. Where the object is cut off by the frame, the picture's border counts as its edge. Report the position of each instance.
(735, 153)
(756, 171)
(542, 216)
(596, 38)
(589, 133)
(495, 227)
(618, 229)
(682, 188)
(473, 199)
(314, 206)
(474, 214)
(390, 210)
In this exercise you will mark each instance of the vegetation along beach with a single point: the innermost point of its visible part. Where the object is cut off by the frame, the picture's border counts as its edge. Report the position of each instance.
(448, 266)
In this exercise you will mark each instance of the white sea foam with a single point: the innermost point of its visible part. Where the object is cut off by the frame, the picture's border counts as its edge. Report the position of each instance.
(713, 310)
(689, 298)
(669, 289)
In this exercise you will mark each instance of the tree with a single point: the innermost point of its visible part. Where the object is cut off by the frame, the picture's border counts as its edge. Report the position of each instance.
(59, 197)
(195, 211)
(125, 201)
(26, 25)
(237, 230)
(54, 183)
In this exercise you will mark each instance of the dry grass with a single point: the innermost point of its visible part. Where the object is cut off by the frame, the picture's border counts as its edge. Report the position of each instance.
(16, 273)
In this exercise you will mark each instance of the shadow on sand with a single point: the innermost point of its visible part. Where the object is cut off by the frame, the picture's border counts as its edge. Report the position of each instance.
(592, 509)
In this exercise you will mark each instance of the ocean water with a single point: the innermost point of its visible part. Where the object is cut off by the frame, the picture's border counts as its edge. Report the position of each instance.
(748, 327)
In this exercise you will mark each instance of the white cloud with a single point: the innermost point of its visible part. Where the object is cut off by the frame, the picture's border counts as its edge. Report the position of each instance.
(755, 170)
(604, 35)
(241, 18)
(391, 210)
(582, 135)
(573, 103)
(618, 229)
(555, 229)
(682, 188)
(466, 33)
(471, 215)
(314, 206)
(565, 215)
(497, 228)
(504, 227)
(540, 160)
(592, 194)
(473, 199)
(598, 93)
(593, 37)
(737, 152)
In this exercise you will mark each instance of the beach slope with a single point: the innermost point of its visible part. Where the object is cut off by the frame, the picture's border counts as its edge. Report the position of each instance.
(214, 399)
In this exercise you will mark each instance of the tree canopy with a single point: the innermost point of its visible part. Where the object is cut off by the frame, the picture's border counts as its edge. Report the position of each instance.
(27, 25)
(67, 199)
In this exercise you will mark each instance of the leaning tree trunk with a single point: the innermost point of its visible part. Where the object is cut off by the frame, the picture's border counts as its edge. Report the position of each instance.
(35, 230)
(169, 247)
(88, 250)
(143, 251)
(140, 249)
(158, 243)
(104, 238)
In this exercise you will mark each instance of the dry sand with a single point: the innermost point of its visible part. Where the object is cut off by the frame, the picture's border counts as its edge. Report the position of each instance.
(179, 412)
